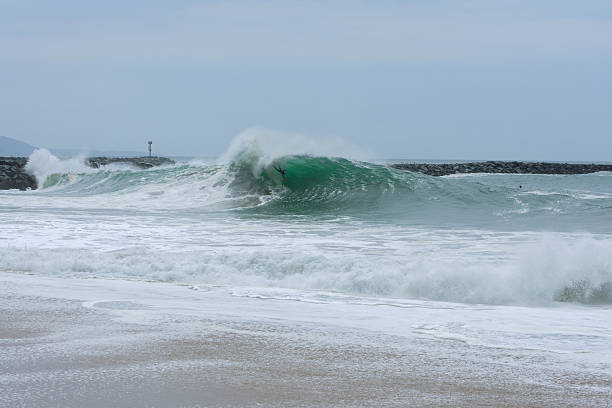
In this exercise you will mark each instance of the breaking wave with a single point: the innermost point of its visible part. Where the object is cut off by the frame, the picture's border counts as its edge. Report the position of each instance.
(541, 272)
(316, 181)
(359, 225)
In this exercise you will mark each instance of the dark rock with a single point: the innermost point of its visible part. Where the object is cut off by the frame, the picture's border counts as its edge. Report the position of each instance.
(14, 161)
(502, 167)
(13, 174)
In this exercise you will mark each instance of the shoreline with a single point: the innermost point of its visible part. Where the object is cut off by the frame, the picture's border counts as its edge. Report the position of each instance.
(96, 342)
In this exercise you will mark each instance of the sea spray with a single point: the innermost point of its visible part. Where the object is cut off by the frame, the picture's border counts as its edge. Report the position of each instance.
(259, 148)
(42, 164)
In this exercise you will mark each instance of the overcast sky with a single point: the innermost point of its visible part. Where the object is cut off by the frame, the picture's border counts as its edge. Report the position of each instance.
(437, 79)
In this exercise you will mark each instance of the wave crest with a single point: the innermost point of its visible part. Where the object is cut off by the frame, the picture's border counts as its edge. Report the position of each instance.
(42, 164)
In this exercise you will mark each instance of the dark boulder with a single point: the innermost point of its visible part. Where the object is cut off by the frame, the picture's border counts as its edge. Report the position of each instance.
(13, 174)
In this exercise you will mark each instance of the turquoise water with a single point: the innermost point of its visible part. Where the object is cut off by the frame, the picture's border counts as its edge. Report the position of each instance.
(330, 187)
(332, 224)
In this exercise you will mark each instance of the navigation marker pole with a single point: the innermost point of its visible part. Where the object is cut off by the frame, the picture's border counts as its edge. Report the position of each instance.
(150, 143)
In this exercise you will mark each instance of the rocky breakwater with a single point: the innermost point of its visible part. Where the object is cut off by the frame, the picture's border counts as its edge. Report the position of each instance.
(141, 162)
(13, 174)
(513, 167)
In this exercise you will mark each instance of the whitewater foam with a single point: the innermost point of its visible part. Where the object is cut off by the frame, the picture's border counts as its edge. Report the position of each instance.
(332, 224)
(41, 164)
(261, 147)
(477, 268)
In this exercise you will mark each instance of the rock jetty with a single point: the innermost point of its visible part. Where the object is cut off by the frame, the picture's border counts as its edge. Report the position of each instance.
(514, 167)
(14, 176)
(142, 162)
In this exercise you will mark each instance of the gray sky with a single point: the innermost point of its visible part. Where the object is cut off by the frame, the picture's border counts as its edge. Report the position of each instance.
(432, 79)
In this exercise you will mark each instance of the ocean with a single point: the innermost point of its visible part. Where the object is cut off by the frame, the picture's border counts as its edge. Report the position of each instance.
(500, 261)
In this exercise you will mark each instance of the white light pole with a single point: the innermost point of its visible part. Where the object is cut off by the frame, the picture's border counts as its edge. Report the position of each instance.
(150, 143)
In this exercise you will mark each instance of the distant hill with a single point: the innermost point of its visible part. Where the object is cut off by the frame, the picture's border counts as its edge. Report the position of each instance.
(12, 147)
(16, 148)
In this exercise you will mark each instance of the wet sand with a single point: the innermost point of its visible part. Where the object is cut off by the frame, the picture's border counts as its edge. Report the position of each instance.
(55, 352)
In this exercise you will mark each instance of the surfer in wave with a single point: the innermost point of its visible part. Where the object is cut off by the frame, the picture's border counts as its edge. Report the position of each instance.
(280, 171)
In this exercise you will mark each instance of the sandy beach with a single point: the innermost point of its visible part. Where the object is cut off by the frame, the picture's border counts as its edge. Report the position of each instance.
(65, 351)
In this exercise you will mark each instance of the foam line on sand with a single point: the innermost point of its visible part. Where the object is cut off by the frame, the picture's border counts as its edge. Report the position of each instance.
(94, 343)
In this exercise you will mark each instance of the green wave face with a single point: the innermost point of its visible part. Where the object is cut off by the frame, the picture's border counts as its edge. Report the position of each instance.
(338, 187)
(305, 173)
(320, 184)
(342, 187)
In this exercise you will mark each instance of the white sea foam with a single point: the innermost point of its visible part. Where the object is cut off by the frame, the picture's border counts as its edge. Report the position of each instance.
(592, 196)
(543, 193)
(442, 266)
(573, 332)
(262, 146)
(41, 164)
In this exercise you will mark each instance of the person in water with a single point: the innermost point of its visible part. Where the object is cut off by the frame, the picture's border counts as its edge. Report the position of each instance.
(281, 171)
